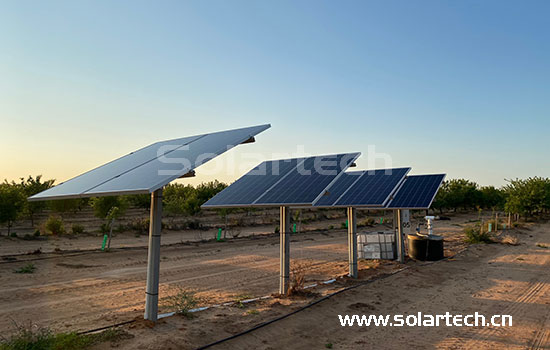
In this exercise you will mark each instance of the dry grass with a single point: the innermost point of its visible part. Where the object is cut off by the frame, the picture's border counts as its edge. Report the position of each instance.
(509, 240)
(297, 278)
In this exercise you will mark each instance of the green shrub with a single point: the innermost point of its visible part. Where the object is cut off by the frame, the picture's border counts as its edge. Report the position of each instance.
(276, 229)
(182, 302)
(36, 233)
(13, 234)
(474, 234)
(55, 226)
(29, 268)
(77, 229)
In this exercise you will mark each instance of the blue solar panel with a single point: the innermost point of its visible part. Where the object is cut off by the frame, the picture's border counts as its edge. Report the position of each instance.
(253, 184)
(338, 188)
(308, 180)
(373, 188)
(417, 192)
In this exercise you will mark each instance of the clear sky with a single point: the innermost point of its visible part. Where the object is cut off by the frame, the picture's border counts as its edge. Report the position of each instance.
(461, 87)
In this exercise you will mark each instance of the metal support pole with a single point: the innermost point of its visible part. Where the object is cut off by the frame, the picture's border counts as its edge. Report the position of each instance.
(352, 242)
(400, 243)
(153, 261)
(284, 232)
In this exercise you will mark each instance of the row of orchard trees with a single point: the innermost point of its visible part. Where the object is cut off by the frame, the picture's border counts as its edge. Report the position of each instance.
(525, 197)
(178, 199)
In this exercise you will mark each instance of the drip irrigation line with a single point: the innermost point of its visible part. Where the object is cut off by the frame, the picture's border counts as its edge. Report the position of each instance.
(326, 297)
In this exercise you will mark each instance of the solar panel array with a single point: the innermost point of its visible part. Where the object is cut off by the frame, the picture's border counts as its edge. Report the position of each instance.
(373, 188)
(298, 181)
(275, 183)
(417, 192)
(151, 167)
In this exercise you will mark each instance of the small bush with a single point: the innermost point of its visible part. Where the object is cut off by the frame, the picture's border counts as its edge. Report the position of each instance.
(240, 298)
(140, 226)
(35, 338)
(104, 228)
(77, 229)
(276, 229)
(29, 268)
(36, 233)
(475, 235)
(193, 225)
(182, 302)
(13, 234)
(366, 222)
(297, 279)
(55, 226)
(330, 227)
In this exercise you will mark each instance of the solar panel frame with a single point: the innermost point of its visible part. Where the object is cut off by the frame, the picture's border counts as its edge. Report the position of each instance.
(403, 187)
(113, 177)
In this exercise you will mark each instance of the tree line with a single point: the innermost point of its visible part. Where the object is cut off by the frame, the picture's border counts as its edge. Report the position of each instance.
(525, 197)
(178, 199)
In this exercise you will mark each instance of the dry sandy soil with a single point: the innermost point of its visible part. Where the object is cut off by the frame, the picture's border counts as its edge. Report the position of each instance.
(91, 289)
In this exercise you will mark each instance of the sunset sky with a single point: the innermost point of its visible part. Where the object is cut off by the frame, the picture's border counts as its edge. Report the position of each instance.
(460, 87)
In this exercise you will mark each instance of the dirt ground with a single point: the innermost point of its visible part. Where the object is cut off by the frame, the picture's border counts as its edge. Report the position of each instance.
(91, 289)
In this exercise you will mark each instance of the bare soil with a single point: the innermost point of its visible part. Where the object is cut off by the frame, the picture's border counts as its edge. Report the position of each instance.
(91, 289)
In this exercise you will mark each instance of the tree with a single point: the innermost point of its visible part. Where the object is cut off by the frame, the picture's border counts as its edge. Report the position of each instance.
(12, 202)
(103, 205)
(181, 199)
(492, 198)
(67, 205)
(32, 186)
(139, 200)
(528, 196)
(175, 198)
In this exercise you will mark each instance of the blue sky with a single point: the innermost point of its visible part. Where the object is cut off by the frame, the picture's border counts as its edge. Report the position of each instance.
(459, 87)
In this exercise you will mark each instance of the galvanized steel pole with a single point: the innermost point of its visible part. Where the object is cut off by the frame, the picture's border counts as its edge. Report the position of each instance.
(400, 243)
(153, 261)
(352, 242)
(284, 233)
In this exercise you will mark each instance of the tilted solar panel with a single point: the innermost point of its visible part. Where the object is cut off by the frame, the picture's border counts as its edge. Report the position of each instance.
(417, 192)
(373, 188)
(338, 188)
(151, 167)
(253, 184)
(299, 182)
(308, 180)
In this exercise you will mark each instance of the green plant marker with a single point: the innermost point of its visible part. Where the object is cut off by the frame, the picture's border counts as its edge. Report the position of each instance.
(490, 227)
(219, 234)
(294, 228)
(346, 223)
(104, 242)
(381, 220)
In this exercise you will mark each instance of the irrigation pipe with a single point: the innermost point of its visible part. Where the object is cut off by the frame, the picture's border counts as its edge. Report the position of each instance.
(268, 297)
(261, 325)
